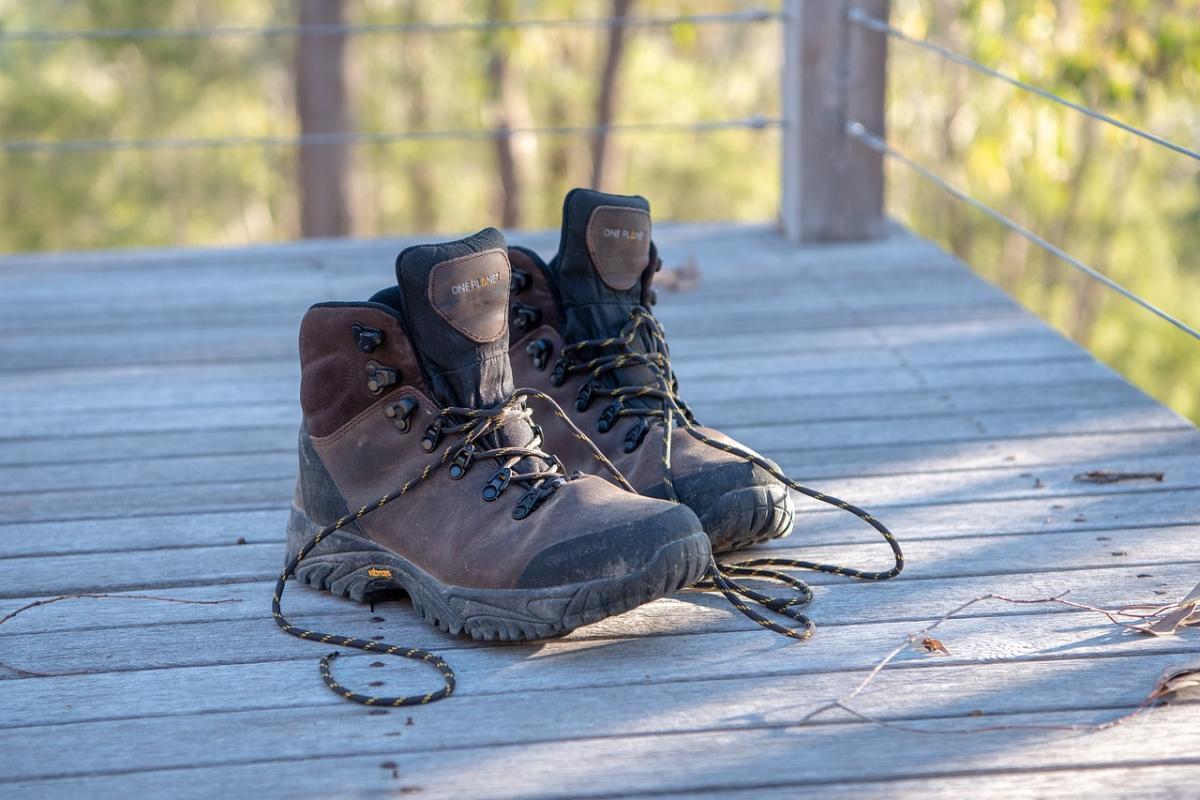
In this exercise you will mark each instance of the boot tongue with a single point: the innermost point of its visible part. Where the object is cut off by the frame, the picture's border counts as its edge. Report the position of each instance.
(604, 272)
(602, 260)
(455, 301)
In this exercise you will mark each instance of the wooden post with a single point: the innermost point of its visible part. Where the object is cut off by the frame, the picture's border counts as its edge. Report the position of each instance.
(321, 103)
(833, 71)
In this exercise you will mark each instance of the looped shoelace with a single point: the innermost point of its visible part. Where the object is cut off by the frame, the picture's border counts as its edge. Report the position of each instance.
(671, 410)
(473, 425)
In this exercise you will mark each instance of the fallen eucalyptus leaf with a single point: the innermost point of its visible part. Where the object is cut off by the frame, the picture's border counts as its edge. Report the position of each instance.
(1168, 623)
(1176, 679)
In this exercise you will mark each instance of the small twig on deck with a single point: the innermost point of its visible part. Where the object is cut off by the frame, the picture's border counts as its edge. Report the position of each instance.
(1161, 689)
(25, 673)
(1106, 476)
(62, 597)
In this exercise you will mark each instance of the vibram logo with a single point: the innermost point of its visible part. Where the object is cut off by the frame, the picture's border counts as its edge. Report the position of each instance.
(376, 572)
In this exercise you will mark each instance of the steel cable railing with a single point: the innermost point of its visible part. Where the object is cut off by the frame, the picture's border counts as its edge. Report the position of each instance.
(751, 15)
(90, 145)
(860, 17)
(875, 142)
(364, 137)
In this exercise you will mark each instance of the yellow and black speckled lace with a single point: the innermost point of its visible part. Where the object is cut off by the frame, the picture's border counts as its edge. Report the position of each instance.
(668, 409)
(473, 425)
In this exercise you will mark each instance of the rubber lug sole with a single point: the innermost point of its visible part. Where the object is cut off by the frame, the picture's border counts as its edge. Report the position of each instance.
(349, 565)
(748, 516)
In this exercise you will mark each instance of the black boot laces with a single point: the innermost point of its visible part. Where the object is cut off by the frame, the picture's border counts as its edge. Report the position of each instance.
(657, 403)
(476, 428)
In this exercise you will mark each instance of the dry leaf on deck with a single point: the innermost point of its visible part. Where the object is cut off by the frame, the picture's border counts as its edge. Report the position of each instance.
(932, 645)
(683, 278)
(1168, 623)
(1166, 620)
(1176, 679)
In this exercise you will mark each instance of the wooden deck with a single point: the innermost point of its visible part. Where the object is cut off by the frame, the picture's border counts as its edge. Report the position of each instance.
(148, 408)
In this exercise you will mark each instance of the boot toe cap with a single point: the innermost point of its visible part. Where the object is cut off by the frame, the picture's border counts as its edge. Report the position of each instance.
(739, 504)
(653, 547)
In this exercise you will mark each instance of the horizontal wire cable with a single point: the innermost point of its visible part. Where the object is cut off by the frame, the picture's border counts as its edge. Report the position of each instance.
(857, 131)
(360, 137)
(860, 17)
(272, 31)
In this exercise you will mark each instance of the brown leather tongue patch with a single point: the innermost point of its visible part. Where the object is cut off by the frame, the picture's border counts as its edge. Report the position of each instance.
(471, 293)
(618, 240)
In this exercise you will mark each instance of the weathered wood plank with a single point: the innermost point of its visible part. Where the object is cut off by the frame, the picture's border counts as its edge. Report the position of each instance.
(184, 440)
(722, 251)
(580, 661)
(36, 632)
(59, 501)
(1053, 554)
(918, 697)
(273, 470)
(839, 603)
(210, 290)
(222, 407)
(281, 376)
(1102, 393)
(854, 347)
(1145, 782)
(972, 301)
(799, 755)
(1107, 450)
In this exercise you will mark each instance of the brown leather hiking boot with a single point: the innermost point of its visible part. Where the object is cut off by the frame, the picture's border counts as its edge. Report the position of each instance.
(421, 472)
(582, 332)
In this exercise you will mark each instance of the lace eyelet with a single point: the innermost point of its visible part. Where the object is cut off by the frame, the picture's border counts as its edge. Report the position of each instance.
(462, 462)
(608, 417)
(524, 318)
(400, 414)
(519, 281)
(380, 377)
(636, 435)
(535, 497)
(539, 350)
(559, 376)
(584, 399)
(433, 435)
(366, 338)
(497, 484)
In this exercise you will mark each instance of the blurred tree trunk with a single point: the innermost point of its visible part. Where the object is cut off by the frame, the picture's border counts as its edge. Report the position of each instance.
(500, 100)
(320, 85)
(421, 179)
(607, 97)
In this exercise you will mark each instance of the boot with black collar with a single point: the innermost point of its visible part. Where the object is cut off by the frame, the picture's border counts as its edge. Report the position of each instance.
(583, 332)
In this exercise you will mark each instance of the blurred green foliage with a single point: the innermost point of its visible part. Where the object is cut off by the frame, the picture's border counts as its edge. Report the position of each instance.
(1123, 205)
(242, 86)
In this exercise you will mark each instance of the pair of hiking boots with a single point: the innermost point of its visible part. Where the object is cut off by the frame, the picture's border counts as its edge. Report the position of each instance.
(521, 513)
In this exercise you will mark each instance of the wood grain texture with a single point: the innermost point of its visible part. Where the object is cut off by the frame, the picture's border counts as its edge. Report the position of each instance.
(885, 373)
